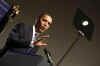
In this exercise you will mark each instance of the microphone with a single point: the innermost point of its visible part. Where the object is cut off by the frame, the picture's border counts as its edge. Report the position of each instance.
(48, 54)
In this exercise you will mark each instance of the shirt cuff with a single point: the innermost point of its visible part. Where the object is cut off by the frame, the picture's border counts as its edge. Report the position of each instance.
(31, 44)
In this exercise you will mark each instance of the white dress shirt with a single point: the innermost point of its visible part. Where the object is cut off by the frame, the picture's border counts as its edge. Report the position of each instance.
(34, 37)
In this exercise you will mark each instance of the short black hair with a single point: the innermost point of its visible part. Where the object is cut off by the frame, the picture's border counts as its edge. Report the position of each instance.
(45, 12)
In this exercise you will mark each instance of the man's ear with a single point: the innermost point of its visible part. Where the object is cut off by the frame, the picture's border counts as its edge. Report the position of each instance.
(36, 19)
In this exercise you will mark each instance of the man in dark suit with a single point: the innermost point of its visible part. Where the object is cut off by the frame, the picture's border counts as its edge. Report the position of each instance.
(22, 39)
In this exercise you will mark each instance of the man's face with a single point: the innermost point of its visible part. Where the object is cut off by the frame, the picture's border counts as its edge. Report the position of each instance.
(45, 23)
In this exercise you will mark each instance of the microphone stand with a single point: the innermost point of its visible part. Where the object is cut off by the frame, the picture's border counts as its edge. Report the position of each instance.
(48, 55)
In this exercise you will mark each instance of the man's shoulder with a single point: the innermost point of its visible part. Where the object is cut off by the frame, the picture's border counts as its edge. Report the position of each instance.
(18, 25)
(21, 23)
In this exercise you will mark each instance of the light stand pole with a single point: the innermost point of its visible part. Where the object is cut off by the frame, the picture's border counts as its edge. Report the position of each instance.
(79, 36)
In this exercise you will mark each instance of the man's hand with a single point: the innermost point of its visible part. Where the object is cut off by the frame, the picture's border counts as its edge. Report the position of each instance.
(40, 42)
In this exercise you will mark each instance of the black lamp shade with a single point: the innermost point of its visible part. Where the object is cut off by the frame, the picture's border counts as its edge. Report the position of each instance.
(78, 20)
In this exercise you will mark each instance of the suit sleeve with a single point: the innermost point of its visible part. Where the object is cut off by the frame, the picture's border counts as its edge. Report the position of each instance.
(16, 37)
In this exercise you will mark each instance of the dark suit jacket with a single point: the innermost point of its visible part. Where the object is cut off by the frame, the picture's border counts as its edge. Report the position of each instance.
(19, 39)
(22, 60)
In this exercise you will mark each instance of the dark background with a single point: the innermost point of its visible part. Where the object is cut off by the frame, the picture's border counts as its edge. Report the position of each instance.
(62, 32)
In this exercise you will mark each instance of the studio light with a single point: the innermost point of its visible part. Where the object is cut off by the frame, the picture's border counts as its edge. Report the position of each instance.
(83, 24)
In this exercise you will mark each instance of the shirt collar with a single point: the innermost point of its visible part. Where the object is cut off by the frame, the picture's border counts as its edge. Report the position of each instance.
(34, 31)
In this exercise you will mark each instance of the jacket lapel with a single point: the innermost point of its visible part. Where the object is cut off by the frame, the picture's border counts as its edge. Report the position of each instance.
(28, 33)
